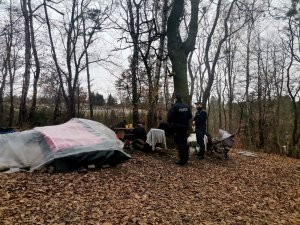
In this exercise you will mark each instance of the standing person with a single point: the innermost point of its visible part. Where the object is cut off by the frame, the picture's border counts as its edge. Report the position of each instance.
(200, 124)
(178, 117)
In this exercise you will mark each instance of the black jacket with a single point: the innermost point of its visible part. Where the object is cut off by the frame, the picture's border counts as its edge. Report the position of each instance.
(139, 133)
(179, 116)
(200, 119)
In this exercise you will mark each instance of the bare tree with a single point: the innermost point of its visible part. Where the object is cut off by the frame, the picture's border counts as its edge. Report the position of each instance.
(74, 52)
(211, 61)
(133, 24)
(178, 49)
(96, 20)
(14, 42)
(230, 54)
(26, 76)
(37, 63)
(154, 86)
(293, 86)
(4, 69)
(146, 29)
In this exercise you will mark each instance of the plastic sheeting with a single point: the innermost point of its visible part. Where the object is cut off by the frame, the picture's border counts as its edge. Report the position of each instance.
(226, 138)
(78, 142)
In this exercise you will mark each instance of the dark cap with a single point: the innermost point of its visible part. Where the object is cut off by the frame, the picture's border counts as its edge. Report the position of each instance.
(178, 97)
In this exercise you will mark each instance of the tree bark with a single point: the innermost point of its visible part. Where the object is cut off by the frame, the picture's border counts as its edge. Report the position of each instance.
(179, 50)
(295, 133)
(26, 75)
(134, 33)
(4, 71)
(37, 65)
(153, 97)
(85, 42)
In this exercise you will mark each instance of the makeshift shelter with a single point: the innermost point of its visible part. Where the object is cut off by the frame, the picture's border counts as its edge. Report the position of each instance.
(66, 147)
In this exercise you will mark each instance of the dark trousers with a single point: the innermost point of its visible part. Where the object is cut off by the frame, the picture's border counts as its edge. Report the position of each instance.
(200, 140)
(180, 138)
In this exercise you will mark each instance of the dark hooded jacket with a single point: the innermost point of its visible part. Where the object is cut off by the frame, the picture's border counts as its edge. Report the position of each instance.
(200, 119)
(179, 115)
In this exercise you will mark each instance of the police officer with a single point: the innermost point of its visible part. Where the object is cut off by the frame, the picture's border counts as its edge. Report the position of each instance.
(200, 124)
(178, 118)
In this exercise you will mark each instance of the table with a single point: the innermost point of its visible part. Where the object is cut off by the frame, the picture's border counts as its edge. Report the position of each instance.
(156, 136)
(123, 133)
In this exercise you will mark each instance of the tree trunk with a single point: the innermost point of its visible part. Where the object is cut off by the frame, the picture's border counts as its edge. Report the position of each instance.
(70, 50)
(295, 133)
(26, 75)
(87, 67)
(11, 66)
(211, 69)
(56, 111)
(37, 65)
(4, 75)
(12, 71)
(192, 76)
(219, 91)
(153, 92)
(166, 86)
(250, 124)
(134, 33)
(53, 52)
(230, 53)
(261, 135)
(179, 50)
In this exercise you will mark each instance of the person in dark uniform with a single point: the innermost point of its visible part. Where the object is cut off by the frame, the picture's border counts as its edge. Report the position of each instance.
(178, 118)
(200, 124)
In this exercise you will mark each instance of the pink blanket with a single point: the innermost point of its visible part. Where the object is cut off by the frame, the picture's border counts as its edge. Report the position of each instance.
(67, 135)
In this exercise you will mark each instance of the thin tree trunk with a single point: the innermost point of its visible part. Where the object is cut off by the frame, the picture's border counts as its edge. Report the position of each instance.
(261, 135)
(152, 113)
(26, 75)
(192, 77)
(166, 86)
(12, 72)
(219, 90)
(11, 69)
(212, 68)
(56, 111)
(37, 65)
(295, 134)
(134, 32)
(69, 53)
(87, 67)
(57, 67)
(4, 76)
(250, 126)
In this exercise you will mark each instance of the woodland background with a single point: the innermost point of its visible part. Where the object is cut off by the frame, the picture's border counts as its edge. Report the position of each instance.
(239, 57)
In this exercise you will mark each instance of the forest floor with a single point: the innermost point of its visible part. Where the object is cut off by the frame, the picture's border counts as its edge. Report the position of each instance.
(152, 189)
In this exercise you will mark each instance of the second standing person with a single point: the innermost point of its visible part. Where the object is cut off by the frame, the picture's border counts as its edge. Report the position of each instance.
(200, 124)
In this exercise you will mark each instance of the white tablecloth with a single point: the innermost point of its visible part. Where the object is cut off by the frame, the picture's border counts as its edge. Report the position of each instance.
(156, 136)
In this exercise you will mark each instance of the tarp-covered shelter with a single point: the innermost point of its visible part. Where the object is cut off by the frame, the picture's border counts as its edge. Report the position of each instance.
(66, 147)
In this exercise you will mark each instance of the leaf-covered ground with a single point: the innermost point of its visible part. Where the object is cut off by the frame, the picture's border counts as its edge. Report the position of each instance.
(151, 189)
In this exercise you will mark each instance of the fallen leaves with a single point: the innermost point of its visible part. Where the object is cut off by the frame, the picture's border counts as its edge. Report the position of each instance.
(151, 189)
